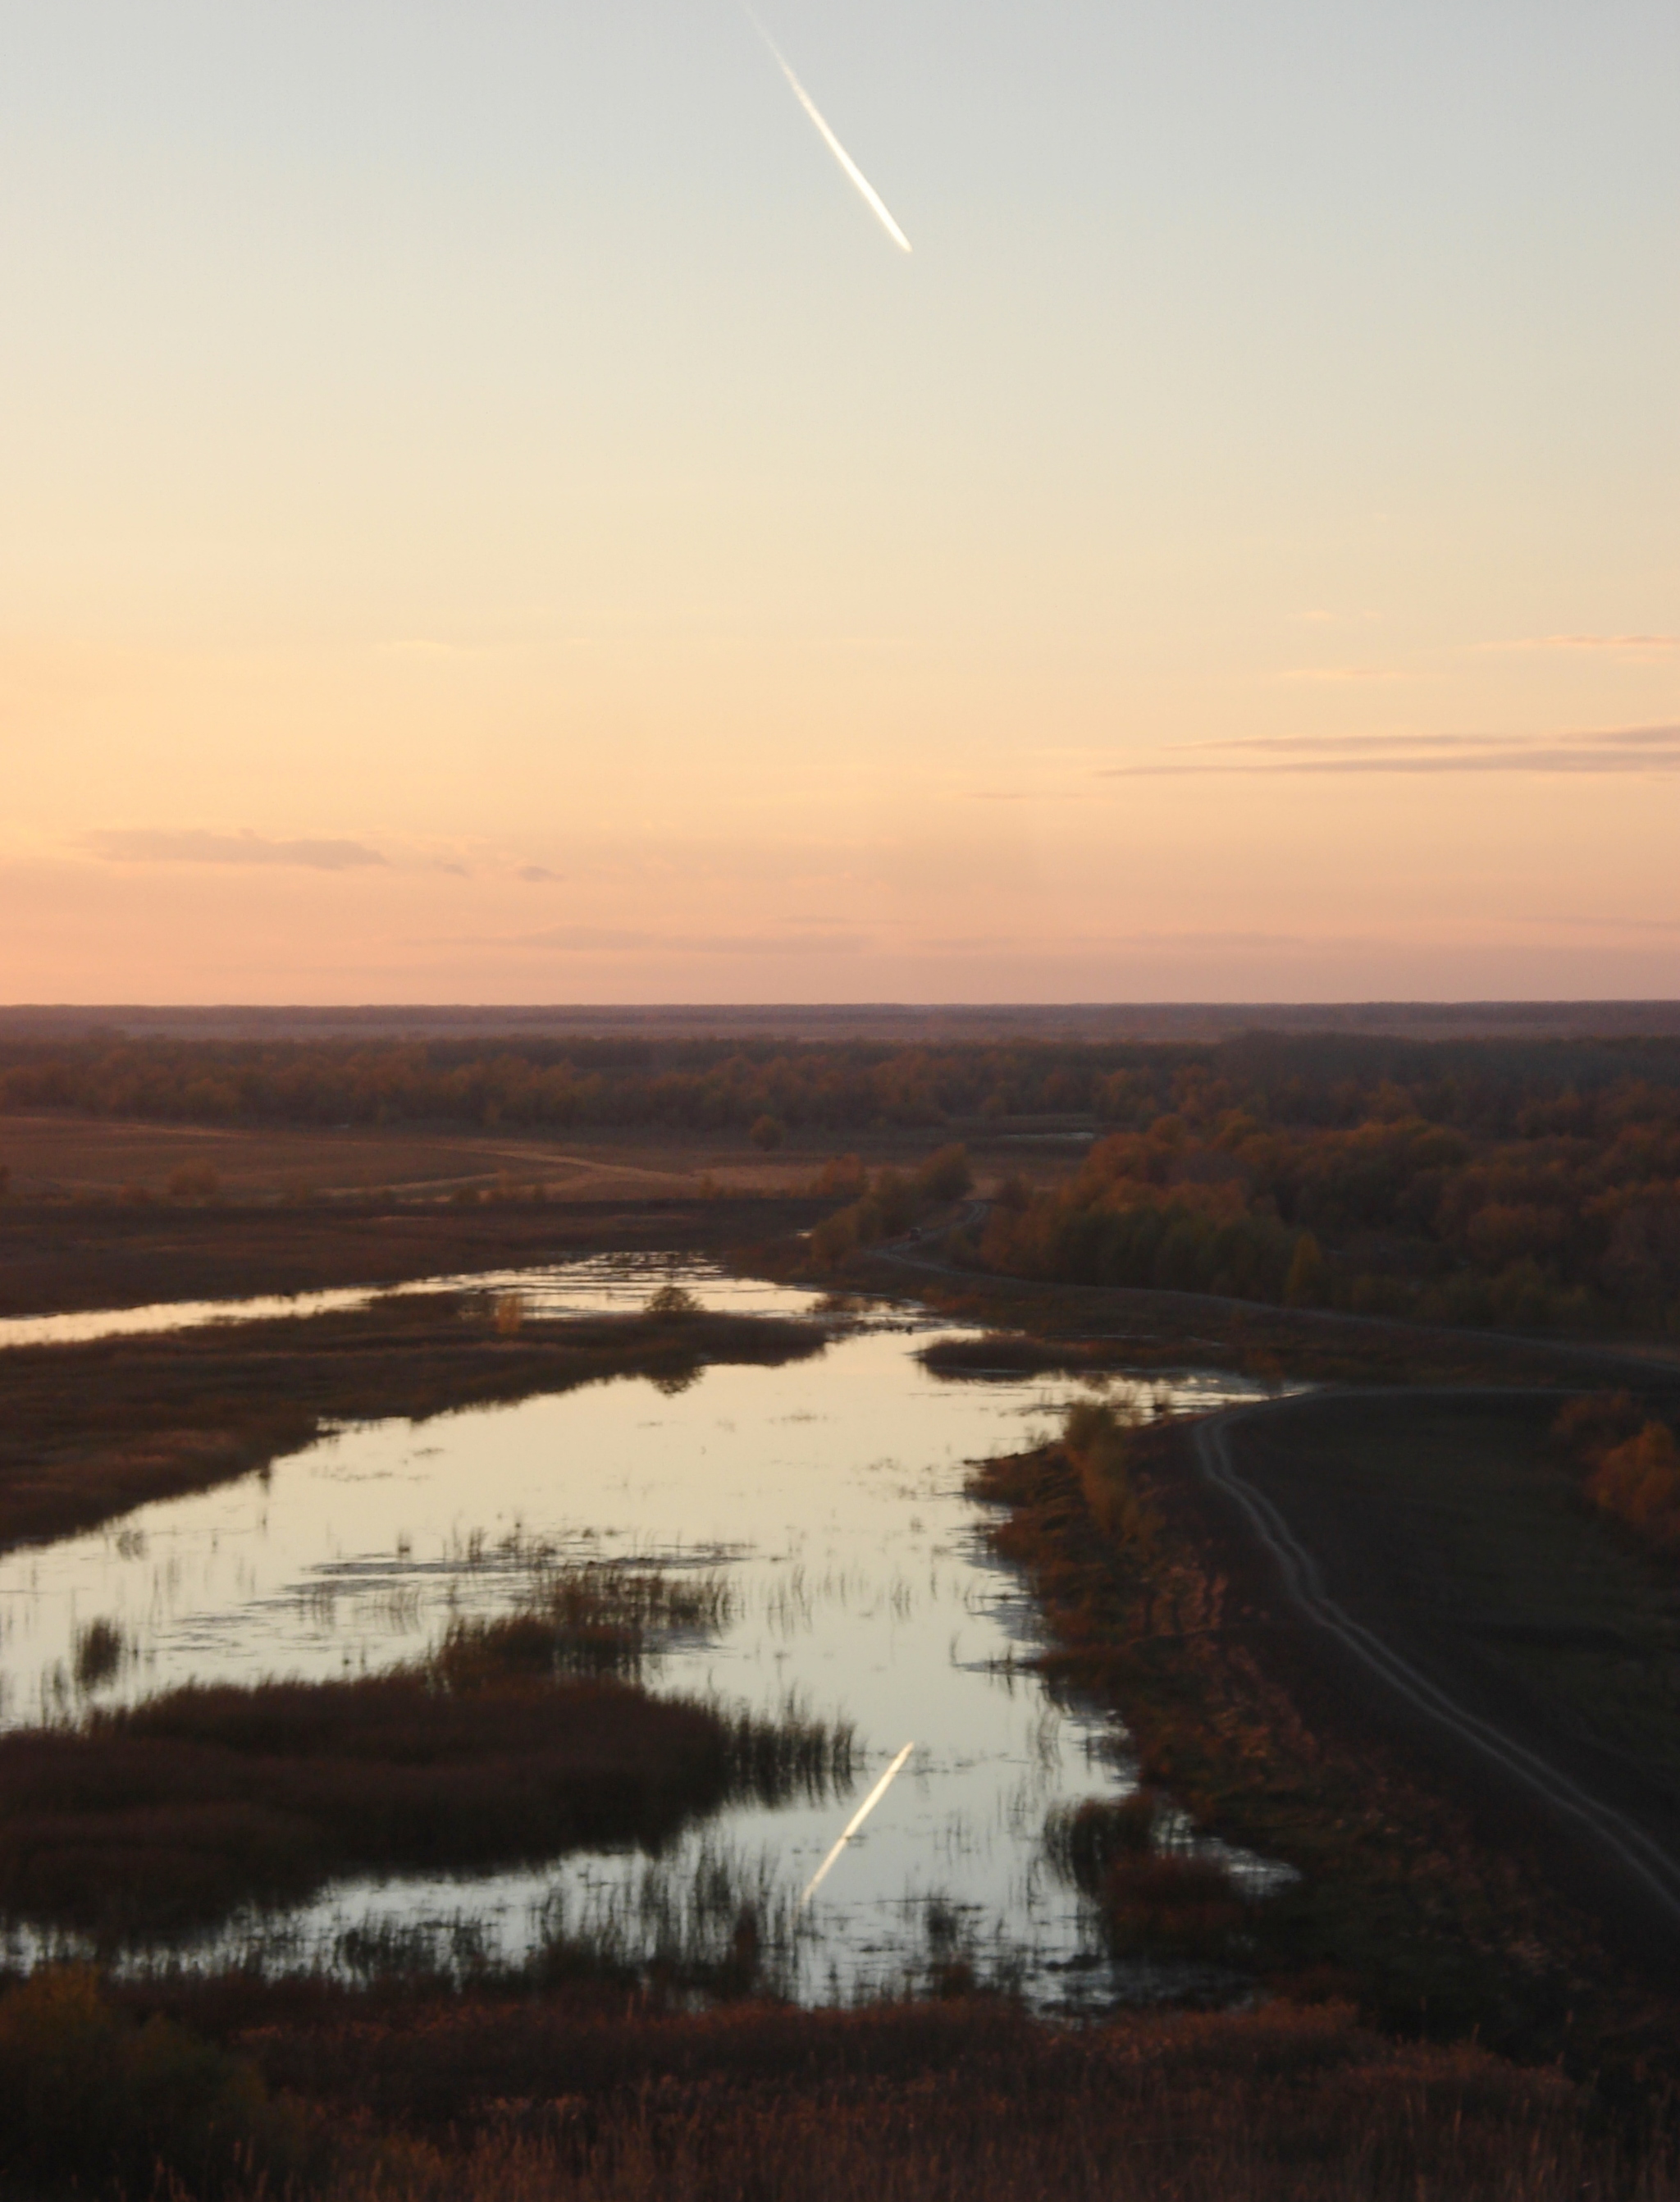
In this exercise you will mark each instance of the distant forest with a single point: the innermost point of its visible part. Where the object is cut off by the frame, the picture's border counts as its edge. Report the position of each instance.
(1534, 1184)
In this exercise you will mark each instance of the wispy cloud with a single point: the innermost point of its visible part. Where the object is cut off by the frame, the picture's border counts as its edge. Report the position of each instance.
(537, 873)
(158, 845)
(1338, 675)
(1620, 645)
(592, 939)
(1598, 751)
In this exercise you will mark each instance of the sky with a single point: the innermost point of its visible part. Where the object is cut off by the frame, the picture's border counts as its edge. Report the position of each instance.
(488, 513)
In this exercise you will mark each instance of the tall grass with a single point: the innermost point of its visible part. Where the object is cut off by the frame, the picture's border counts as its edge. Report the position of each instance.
(1098, 1438)
(223, 2088)
(955, 2102)
(721, 1923)
(516, 1742)
(593, 1618)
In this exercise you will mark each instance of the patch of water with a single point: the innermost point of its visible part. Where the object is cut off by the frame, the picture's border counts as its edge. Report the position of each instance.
(832, 1492)
(600, 1284)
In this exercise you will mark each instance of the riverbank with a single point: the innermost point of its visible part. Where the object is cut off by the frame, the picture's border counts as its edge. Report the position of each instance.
(1422, 1896)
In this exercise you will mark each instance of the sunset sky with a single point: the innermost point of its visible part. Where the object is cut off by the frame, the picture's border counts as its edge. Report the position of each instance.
(486, 514)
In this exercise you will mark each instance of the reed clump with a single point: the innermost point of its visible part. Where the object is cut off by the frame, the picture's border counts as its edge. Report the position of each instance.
(1154, 1898)
(596, 1618)
(589, 2096)
(164, 1816)
(1098, 1438)
(1084, 1841)
(99, 1651)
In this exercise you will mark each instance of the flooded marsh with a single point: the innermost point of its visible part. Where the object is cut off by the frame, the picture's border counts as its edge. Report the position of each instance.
(774, 1541)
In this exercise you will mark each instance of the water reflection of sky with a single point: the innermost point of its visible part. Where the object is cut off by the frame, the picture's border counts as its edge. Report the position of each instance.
(600, 1283)
(832, 1493)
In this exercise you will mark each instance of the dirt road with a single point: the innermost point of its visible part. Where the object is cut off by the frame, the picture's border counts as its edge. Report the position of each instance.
(1445, 1590)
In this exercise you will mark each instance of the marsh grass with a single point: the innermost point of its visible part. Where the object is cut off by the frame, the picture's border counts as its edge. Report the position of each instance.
(720, 1924)
(1154, 1895)
(99, 1653)
(593, 1618)
(587, 2095)
(516, 1742)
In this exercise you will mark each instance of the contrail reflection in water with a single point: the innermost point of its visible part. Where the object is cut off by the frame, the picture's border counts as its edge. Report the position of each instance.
(852, 1825)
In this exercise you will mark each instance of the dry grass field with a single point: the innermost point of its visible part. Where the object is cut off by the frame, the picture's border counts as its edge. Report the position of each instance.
(66, 1157)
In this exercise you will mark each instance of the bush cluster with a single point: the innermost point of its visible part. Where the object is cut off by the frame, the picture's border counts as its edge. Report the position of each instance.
(888, 1204)
(1547, 1230)
(1630, 1465)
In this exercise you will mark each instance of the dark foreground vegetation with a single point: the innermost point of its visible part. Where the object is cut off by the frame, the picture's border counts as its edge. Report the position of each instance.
(496, 1750)
(224, 2089)
(90, 1432)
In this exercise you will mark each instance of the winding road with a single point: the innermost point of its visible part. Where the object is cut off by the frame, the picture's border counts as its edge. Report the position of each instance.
(1620, 1842)
(1557, 1781)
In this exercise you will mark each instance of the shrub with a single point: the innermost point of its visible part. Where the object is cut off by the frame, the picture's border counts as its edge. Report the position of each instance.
(87, 2094)
(1639, 1482)
(194, 1181)
(945, 1176)
(842, 1176)
(767, 1133)
(1308, 1284)
(1098, 1443)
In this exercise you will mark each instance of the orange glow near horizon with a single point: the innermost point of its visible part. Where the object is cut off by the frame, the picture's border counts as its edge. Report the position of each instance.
(486, 519)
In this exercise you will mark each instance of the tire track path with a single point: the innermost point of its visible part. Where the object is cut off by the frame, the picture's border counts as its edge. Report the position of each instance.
(1618, 1838)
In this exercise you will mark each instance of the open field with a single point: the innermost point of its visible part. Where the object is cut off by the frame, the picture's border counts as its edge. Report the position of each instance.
(1533, 1650)
(97, 1160)
(71, 1156)
(297, 1211)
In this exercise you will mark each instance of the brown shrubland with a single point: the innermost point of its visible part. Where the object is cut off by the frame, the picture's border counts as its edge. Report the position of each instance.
(228, 2088)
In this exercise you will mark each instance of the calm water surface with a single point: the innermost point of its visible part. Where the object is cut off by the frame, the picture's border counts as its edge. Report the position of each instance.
(599, 1284)
(832, 1493)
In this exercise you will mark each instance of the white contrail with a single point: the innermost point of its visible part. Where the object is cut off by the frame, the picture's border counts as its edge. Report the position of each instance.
(877, 203)
(856, 1820)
